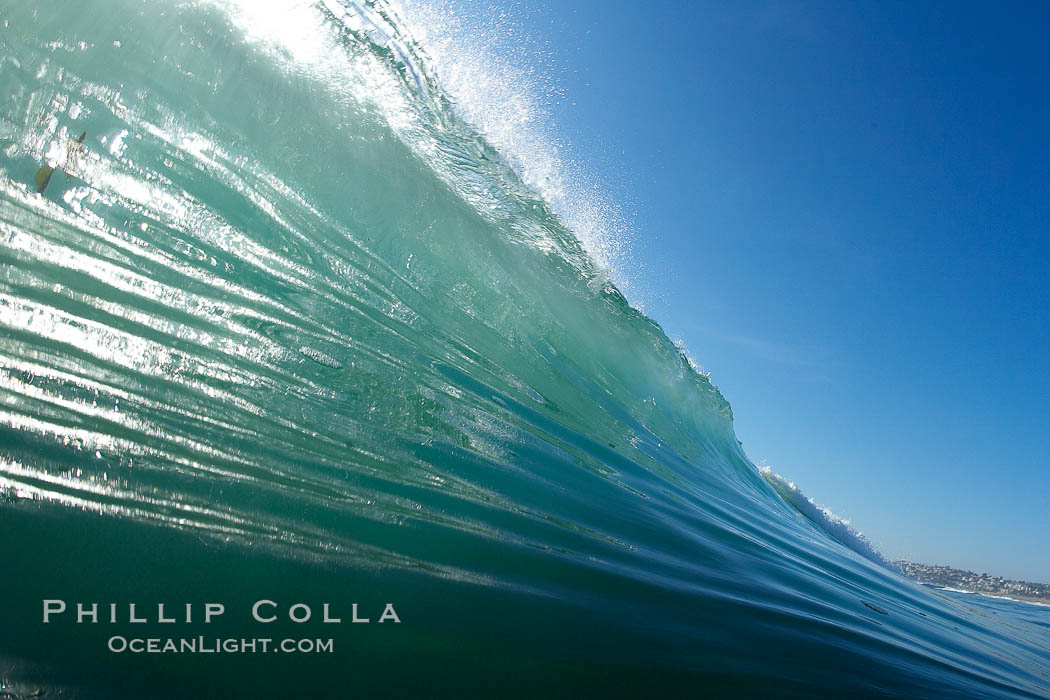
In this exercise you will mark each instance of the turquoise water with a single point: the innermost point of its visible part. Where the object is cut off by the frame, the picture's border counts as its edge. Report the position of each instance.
(294, 330)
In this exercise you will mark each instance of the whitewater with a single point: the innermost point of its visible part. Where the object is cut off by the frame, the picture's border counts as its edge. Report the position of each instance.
(312, 321)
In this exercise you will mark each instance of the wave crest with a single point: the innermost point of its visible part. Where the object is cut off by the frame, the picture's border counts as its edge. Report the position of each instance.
(839, 528)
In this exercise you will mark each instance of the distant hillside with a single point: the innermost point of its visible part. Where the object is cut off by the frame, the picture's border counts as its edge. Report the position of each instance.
(963, 580)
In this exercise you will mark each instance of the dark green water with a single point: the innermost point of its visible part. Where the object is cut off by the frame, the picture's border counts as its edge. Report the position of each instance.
(293, 331)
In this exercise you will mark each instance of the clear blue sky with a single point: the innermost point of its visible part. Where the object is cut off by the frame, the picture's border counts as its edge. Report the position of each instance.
(844, 211)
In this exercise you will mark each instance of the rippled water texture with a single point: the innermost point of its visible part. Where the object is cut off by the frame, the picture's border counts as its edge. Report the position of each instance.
(292, 325)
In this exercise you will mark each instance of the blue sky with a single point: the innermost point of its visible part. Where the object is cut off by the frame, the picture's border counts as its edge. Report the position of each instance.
(842, 209)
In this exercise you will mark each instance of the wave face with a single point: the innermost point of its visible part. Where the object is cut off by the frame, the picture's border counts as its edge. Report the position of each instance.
(293, 324)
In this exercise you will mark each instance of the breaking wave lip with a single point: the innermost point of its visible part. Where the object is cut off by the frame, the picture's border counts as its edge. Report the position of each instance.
(838, 528)
(450, 61)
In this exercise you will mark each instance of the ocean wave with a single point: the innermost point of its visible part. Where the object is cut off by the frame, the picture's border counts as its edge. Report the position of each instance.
(838, 528)
(298, 296)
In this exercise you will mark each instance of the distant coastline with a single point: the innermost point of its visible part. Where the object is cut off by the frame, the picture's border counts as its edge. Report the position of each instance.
(971, 582)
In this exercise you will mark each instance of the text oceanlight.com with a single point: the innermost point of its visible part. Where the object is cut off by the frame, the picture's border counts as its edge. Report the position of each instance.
(205, 645)
(262, 612)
